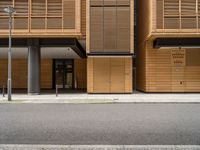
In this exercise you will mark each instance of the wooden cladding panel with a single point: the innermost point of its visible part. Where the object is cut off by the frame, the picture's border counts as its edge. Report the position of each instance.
(123, 29)
(4, 23)
(38, 23)
(3, 4)
(110, 26)
(80, 73)
(54, 7)
(176, 14)
(117, 75)
(83, 17)
(109, 75)
(54, 23)
(96, 31)
(101, 77)
(21, 23)
(46, 73)
(110, 33)
(188, 7)
(21, 7)
(69, 14)
(170, 70)
(38, 8)
(66, 17)
(193, 57)
(159, 13)
(20, 73)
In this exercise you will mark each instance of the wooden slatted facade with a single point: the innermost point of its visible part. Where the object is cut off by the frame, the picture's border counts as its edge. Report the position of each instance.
(110, 31)
(168, 69)
(37, 18)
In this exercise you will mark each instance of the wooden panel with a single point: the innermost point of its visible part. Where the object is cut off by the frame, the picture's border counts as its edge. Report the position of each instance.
(54, 7)
(69, 14)
(4, 23)
(46, 73)
(123, 29)
(54, 23)
(61, 18)
(38, 8)
(129, 81)
(123, 2)
(21, 7)
(101, 76)
(193, 57)
(109, 75)
(21, 23)
(117, 75)
(159, 14)
(96, 31)
(111, 26)
(110, 35)
(83, 17)
(188, 23)
(80, 73)
(19, 73)
(38, 23)
(96, 2)
(188, 7)
(90, 74)
(178, 79)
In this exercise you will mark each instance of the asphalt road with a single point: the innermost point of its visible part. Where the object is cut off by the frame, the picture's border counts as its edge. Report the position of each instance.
(102, 124)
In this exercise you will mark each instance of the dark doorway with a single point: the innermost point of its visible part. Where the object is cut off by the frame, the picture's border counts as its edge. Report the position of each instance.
(63, 73)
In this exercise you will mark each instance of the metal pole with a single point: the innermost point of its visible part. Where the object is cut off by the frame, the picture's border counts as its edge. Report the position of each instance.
(10, 61)
(56, 90)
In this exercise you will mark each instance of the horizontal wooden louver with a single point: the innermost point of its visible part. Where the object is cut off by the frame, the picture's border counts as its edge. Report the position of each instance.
(171, 7)
(3, 4)
(110, 2)
(38, 8)
(54, 7)
(188, 7)
(69, 14)
(96, 2)
(159, 14)
(21, 7)
(123, 2)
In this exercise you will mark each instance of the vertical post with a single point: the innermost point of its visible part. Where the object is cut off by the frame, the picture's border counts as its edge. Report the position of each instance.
(3, 91)
(10, 61)
(56, 90)
(34, 58)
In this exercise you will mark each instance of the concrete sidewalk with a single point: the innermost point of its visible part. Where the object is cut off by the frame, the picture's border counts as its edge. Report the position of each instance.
(74, 98)
(99, 147)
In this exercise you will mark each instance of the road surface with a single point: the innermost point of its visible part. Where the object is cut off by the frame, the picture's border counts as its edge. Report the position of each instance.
(100, 124)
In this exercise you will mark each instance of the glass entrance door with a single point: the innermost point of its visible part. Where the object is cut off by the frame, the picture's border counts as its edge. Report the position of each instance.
(64, 74)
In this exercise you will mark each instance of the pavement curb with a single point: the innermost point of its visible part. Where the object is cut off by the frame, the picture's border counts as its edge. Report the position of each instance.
(99, 147)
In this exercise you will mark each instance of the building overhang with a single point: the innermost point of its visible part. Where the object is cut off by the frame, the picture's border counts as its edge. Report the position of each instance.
(73, 43)
(176, 43)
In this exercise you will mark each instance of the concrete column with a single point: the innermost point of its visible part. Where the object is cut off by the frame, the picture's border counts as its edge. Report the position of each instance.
(34, 58)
